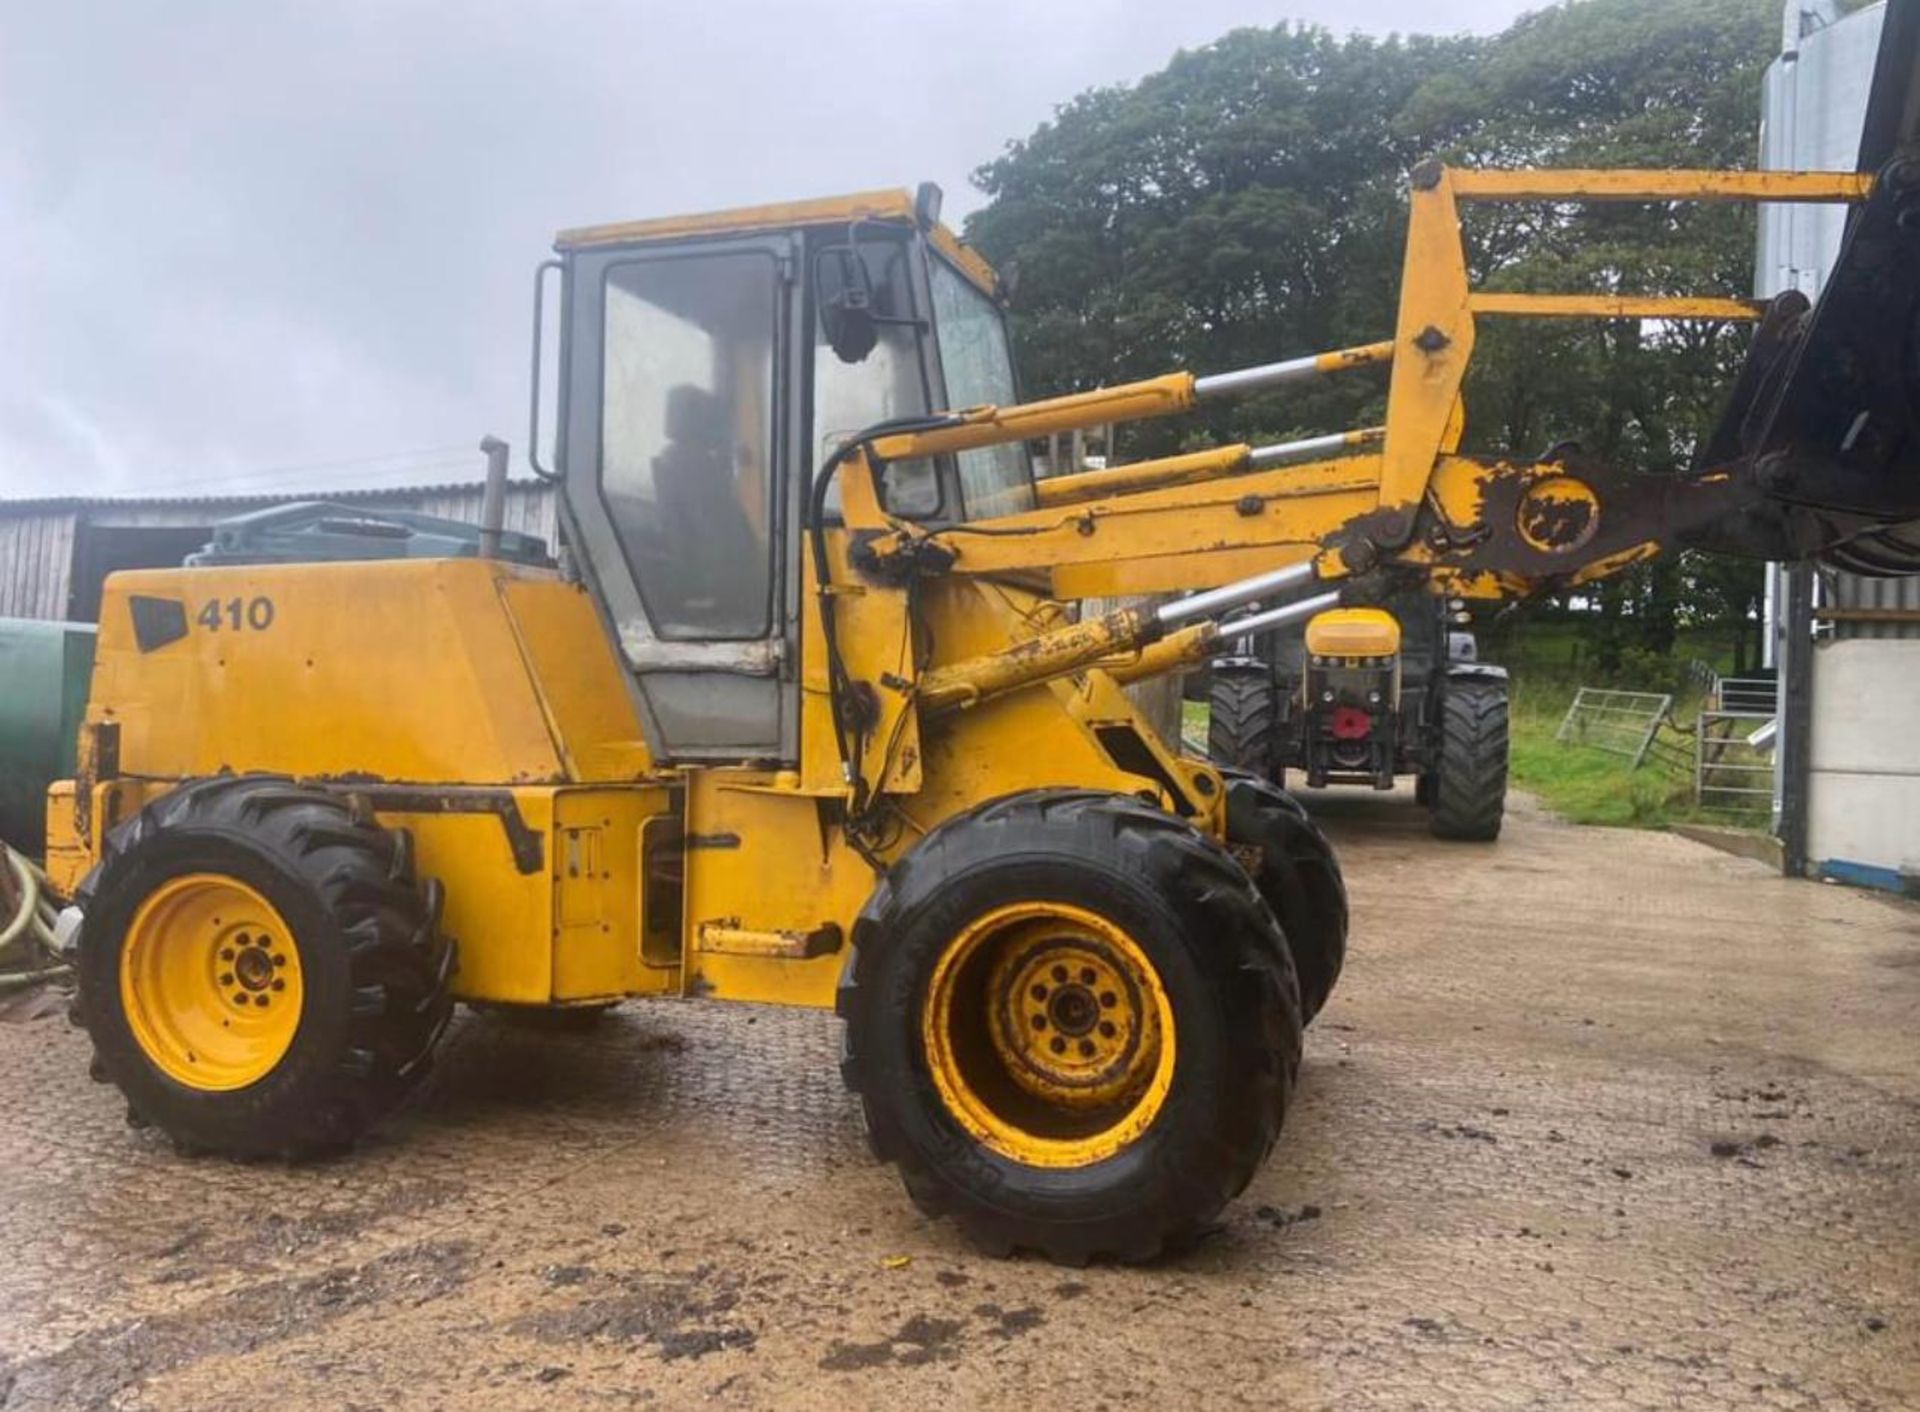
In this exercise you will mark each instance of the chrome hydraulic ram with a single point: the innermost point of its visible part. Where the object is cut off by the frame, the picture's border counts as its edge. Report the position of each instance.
(1127, 633)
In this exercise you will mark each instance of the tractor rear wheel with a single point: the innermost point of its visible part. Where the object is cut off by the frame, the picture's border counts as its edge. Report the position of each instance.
(1470, 782)
(1293, 865)
(1072, 1024)
(1243, 719)
(260, 972)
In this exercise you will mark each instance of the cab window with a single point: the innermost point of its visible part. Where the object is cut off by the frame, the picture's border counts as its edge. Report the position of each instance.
(889, 382)
(686, 437)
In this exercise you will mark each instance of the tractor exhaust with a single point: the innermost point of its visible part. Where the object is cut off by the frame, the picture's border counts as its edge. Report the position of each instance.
(493, 497)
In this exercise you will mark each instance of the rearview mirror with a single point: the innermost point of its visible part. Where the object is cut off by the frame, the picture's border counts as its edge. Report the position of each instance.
(844, 292)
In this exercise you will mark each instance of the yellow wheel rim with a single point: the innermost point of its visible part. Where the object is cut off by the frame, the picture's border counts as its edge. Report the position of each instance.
(210, 982)
(1048, 1034)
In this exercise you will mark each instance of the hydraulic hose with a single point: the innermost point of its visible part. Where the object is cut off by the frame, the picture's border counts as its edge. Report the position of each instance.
(28, 951)
(839, 683)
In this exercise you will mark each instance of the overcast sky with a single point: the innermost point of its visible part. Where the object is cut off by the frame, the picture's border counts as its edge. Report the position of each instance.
(263, 244)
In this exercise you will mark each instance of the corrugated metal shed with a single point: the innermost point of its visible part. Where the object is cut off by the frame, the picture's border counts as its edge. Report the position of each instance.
(36, 561)
(44, 542)
(1850, 593)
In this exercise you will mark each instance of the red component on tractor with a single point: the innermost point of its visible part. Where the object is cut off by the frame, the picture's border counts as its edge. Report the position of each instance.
(1351, 723)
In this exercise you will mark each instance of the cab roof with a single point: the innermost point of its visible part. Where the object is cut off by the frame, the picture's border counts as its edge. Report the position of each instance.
(896, 204)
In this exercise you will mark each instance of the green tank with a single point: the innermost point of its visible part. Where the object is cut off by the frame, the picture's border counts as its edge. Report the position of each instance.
(44, 671)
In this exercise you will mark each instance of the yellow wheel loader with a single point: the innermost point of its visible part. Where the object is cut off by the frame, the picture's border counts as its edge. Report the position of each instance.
(812, 719)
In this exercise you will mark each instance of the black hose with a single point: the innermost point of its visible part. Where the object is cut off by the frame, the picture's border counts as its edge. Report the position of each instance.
(839, 683)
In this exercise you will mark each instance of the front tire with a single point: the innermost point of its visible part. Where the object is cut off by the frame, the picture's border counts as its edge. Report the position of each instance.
(1243, 719)
(1072, 1024)
(1470, 783)
(260, 972)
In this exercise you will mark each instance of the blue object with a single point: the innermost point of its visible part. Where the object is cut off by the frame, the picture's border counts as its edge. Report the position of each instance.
(1870, 875)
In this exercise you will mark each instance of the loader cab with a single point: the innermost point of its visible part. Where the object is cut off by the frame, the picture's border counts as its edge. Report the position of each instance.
(709, 367)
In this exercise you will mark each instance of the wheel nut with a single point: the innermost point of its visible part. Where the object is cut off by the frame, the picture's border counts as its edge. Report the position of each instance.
(279, 985)
(1059, 1045)
(226, 953)
(1060, 974)
(1108, 1000)
(1039, 1022)
(1107, 1030)
(1086, 1049)
(1039, 992)
(1088, 976)
(226, 978)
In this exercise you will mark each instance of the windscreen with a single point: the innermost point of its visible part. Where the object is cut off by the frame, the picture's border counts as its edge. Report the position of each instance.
(994, 480)
(888, 383)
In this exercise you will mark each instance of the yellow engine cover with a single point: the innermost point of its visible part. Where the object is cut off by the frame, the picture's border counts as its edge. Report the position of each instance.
(428, 671)
(1353, 632)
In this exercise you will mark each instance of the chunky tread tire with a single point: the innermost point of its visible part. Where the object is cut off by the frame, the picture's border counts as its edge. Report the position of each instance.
(1290, 861)
(376, 969)
(1470, 782)
(1243, 720)
(1228, 974)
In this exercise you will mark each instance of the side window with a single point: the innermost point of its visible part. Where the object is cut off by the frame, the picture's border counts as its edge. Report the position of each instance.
(686, 437)
(887, 383)
(994, 480)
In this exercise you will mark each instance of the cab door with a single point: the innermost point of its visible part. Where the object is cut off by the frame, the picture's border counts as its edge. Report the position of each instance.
(677, 445)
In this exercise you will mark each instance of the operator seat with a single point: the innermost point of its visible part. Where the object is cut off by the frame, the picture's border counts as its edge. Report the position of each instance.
(713, 572)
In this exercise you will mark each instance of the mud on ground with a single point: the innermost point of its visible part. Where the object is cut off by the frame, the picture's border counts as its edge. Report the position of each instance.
(1596, 1119)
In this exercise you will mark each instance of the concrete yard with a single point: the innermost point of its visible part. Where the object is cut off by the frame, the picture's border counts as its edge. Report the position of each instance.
(1595, 1119)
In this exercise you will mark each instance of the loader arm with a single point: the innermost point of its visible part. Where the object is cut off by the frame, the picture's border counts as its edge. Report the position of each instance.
(1817, 453)
(1401, 495)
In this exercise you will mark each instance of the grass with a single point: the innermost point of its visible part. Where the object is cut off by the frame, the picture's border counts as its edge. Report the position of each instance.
(1193, 721)
(1581, 783)
(1587, 785)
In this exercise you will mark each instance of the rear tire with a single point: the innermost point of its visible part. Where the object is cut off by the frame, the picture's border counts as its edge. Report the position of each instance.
(1243, 720)
(253, 868)
(1470, 783)
(1016, 1168)
(1290, 861)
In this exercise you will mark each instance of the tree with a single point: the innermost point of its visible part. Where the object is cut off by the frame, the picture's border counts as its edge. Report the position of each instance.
(1247, 203)
(1241, 203)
